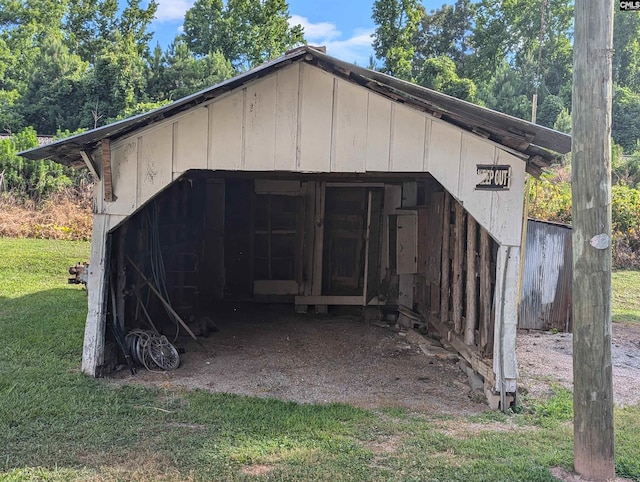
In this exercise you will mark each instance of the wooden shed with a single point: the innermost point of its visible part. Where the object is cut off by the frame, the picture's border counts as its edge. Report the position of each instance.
(312, 181)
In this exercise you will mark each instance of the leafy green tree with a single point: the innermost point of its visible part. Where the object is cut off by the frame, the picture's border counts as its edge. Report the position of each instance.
(440, 74)
(626, 118)
(563, 121)
(178, 73)
(626, 47)
(505, 91)
(445, 32)
(245, 32)
(55, 94)
(88, 25)
(396, 26)
(549, 110)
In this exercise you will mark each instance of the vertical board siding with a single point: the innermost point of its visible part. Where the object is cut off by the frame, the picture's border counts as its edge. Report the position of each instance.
(316, 116)
(407, 151)
(190, 146)
(546, 282)
(286, 122)
(226, 118)
(349, 129)
(124, 175)
(479, 203)
(508, 206)
(260, 125)
(155, 161)
(378, 133)
(444, 156)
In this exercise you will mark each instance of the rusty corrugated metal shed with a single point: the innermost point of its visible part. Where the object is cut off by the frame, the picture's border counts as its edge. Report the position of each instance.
(546, 281)
(537, 145)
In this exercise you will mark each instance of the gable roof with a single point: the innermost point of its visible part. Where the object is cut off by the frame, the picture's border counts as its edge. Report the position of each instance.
(537, 145)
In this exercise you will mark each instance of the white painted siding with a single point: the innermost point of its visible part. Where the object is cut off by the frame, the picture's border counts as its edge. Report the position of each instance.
(155, 156)
(286, 122)
(190, 141)
(260, 125)
(124, 178)
(444, 155)
(302, 119)
(315, 119)
(407, 144)
(349, 128)
(226, 117)
(378, 133)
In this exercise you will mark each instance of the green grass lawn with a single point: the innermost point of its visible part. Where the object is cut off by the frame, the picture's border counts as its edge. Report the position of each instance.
(625, 296)
(56, 424)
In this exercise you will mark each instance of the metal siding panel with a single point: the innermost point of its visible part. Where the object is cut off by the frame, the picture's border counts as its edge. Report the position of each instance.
(287, 118)
(225, 145)
(407, 152)
(260, 125)
(378, 131)
(350, 129)
(444, 157)
(546, 281)
(155, 163)
(316, 114)
(191, 141)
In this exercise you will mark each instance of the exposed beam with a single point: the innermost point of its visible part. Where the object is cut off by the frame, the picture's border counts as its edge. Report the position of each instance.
(106, 170)
(90, 163)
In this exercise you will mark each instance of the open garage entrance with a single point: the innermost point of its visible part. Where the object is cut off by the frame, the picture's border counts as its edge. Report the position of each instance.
(213, 246)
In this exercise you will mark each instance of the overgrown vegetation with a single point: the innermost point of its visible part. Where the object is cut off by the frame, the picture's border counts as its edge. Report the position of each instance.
(58, 425)
(550, 199)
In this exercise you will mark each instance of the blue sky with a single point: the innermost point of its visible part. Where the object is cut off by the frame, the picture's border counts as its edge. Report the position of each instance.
(343, 26)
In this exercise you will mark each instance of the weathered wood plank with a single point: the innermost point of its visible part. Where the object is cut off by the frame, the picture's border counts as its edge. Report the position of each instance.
(485, 290)
(446, 262)
(470, 319)
(106, 170)
(458, 255)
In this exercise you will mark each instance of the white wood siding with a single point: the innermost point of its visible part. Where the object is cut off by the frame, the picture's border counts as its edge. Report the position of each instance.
(190, 141)
(302, 119)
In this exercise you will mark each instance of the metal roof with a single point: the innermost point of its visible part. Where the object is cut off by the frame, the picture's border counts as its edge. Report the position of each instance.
(539, 146)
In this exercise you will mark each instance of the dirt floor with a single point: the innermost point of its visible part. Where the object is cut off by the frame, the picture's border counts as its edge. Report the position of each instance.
(270, 351)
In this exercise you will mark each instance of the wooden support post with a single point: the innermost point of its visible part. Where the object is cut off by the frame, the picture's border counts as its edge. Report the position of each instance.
(106, 170)
(470, 319)
(446, 263)
(485, 289)
(458, 255)
(591, 216)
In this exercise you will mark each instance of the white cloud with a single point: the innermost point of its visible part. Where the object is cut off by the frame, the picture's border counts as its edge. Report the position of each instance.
(171, 10)
(315, 32)
(356, 48)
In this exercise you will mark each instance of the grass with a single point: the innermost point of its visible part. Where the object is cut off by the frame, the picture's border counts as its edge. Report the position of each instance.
(58, 425)
(625, 296)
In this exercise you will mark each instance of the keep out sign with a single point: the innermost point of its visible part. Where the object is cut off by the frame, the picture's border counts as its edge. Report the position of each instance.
(493, 177)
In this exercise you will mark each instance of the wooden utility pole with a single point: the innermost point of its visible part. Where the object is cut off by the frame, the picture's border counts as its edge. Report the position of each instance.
(591, 212)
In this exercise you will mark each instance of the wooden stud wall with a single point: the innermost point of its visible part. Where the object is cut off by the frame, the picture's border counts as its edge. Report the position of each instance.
(457, 299)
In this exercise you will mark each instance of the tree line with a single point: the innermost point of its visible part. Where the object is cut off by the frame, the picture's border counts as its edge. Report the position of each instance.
(498, 53)
(78, 64)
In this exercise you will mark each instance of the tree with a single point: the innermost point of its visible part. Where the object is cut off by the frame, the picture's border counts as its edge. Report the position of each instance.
(396, 25)
(55, 93)
(445, 32)
(178, 73)
(626, 118)
(626, 47)
(440, 74)
(245, 32)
